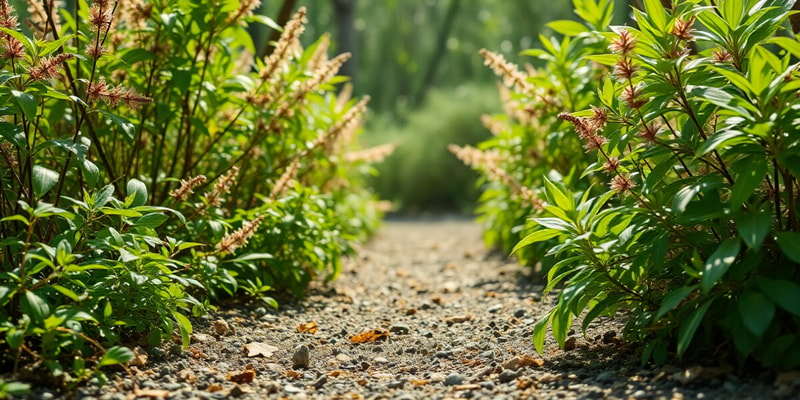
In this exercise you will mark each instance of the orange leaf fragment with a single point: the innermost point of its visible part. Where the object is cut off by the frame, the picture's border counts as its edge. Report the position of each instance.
(310, 327)
(214, 387)
(256, 349)
(246, 376)
(292, 374)
(370, 336)
(418, 382)
(522, 362)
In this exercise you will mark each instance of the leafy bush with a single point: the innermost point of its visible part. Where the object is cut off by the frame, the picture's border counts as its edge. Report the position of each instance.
(698, 237)
(420, 175)
(104, 239)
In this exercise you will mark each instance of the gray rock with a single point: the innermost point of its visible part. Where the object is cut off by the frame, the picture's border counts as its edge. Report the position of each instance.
(301, 357)
(396, 384)
(508, 375)
(400, 328)
(292, 389)
(443, 354)
(494, 309)
(640, 394)
(320, 382)
(454, 379)
(520, 312)
(605, 377)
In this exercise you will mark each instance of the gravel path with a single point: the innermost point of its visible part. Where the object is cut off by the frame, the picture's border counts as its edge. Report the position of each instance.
(440, 318)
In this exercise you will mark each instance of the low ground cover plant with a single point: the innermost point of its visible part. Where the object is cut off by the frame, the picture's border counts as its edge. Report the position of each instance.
(660, 176)
(150, 165)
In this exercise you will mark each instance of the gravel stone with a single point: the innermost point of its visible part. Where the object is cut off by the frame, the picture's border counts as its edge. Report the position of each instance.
(400, 329)
(301, 357)
(454, 379)
(395, 283)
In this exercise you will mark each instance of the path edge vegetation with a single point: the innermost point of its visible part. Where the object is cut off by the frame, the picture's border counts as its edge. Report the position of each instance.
(652, 170)
(151, 166)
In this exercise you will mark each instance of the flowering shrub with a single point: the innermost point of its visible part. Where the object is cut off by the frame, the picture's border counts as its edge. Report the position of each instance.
(690, 121)
(151, 165)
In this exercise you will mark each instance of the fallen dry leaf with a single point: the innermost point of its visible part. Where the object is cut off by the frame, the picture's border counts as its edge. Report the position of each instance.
(418, 382)
(200, 338)
(214, 387)
(470, 386)
(219, 327)
(570, 344)
(436, 300)
(186, 375)
(152, 393)
(490, 294)
(524, 382)
(370, 336)
(139, 358)
(362, 382)
(411, 311)
(246, 376)
(310, 327)
(195, 353)
(256, 349)
(292, 374)
(457, 319)
(522, 361)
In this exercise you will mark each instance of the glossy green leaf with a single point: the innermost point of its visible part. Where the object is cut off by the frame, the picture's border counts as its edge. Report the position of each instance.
(184, 326)
(789, 242)
(785, 294)
(756, 311)
(568, 27)
(535, 237)
(753, 227)
(43, 180)
(138, 190)
(719, 262)
(152, 220)
(26, 102)
(689, 326)
(115, 355)
(750, 174)
(671, 300)
(35, 306)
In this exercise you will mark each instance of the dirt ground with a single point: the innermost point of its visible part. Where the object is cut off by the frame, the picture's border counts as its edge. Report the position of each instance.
(439, 318)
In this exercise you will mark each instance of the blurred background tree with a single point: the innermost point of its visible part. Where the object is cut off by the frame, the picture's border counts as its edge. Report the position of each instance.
(407, 52)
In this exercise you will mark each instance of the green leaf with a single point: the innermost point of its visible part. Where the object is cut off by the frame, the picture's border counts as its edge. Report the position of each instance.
(655, 10)
(538, 236)
(26, 102)
(789, 242)
(670, 301)
(756, 311)
(689, 326)
(15, 337)
(103, 195)
(558, 195)
(568, 27)
(184, 326)
(43, 180)
(784, 293)
(750, 174)
(539, 331)
(753, 227)
(138, 190)
(123, 124)
(152, 220)
(15, 388)
(719, 262)
(90, 172)
(34, 306)
(115, 355)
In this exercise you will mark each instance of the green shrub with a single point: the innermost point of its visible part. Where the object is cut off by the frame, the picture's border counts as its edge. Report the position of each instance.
(698, 238)
(420, 175)
(199, 173)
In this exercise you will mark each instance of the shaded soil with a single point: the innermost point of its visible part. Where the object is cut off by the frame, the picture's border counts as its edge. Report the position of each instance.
(448, 320)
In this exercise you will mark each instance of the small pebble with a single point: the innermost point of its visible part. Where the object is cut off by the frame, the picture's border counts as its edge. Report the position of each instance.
(520, 312)
(320, 382)
(494, 309)
(640, 394)
(380, 360)
(454, 379)
(301, 357)
(291, 389)
(508, 375)
(396, 384)
(443, 354)
(400, 328)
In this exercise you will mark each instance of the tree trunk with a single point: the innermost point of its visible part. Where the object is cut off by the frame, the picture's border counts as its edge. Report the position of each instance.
(283, 17)
(344, 16)
(794, 19)
(438, 52)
